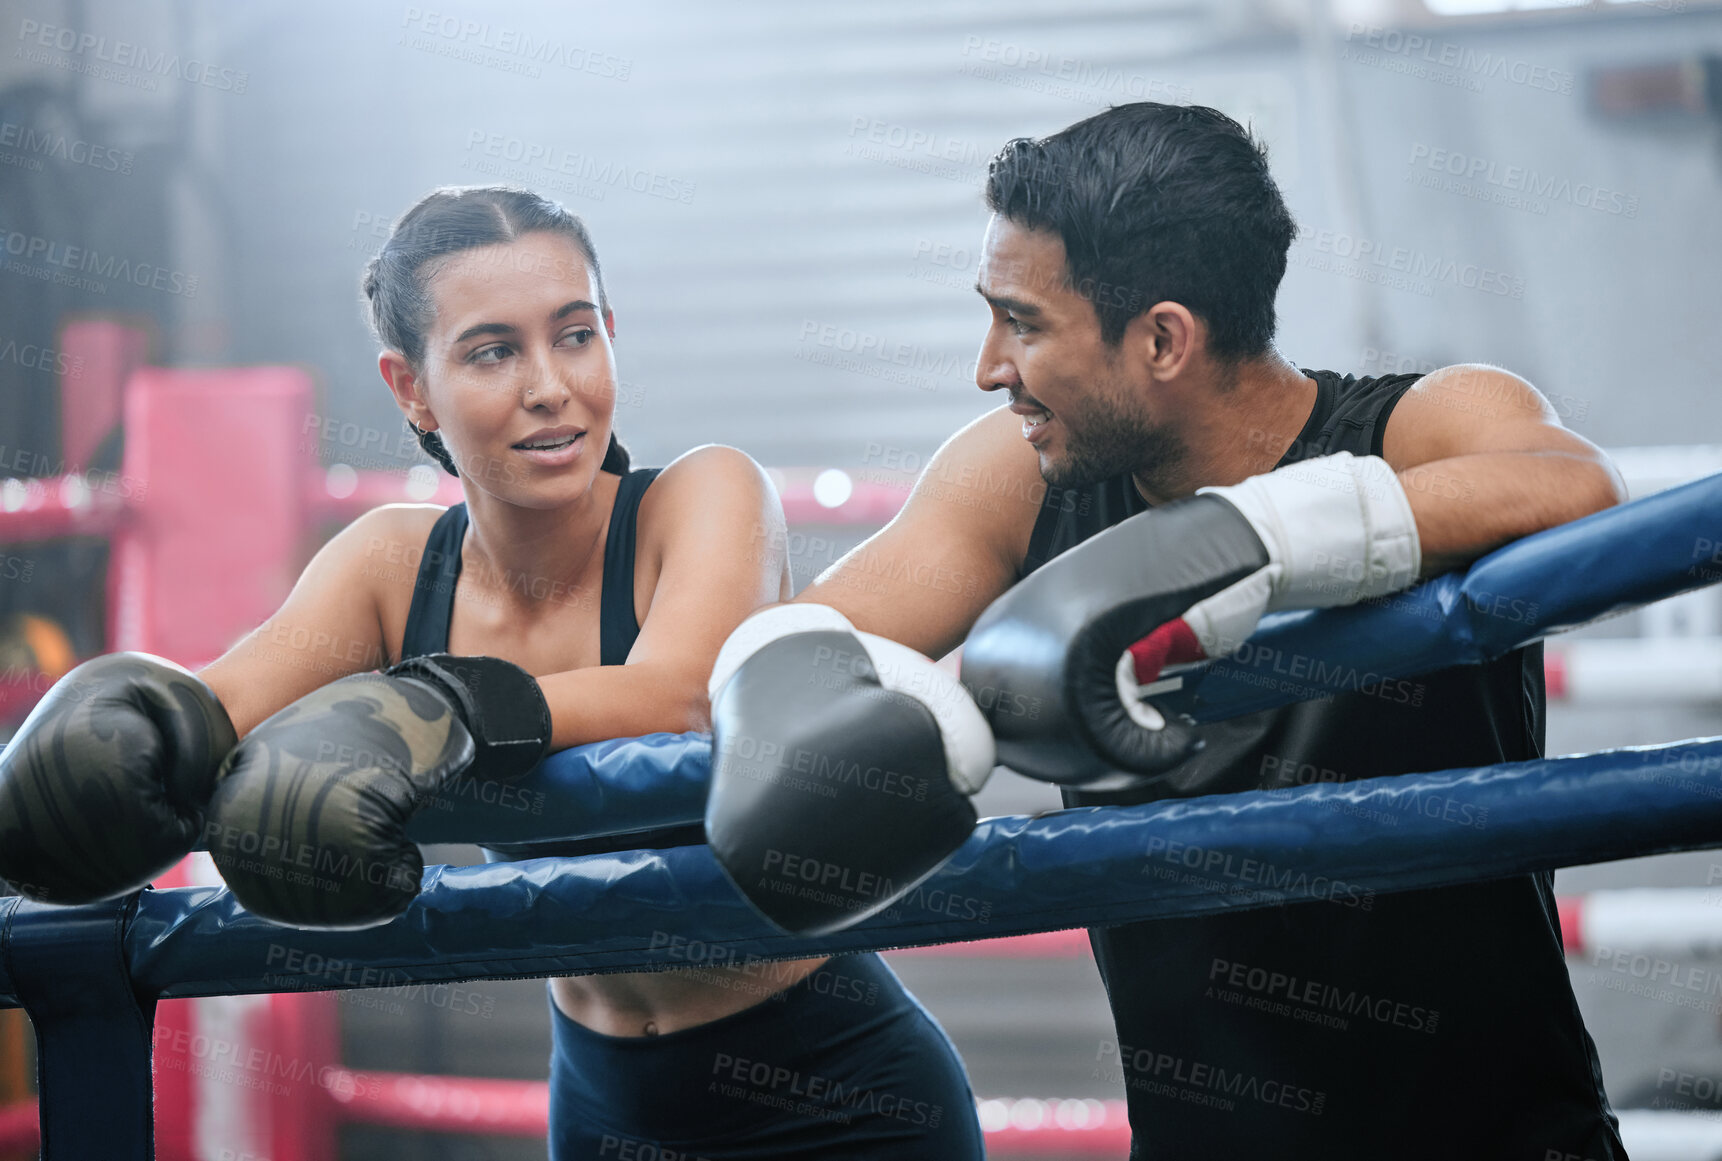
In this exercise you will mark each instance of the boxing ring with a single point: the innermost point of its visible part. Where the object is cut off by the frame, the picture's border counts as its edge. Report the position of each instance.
(90, 977)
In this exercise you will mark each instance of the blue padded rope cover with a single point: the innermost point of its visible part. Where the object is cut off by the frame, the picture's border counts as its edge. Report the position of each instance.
(1566, 576)
(615, 787)
(1337, 843)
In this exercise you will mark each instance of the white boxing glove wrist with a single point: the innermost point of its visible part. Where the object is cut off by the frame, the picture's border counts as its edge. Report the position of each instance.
(1338, 529)
(969, 746)
(968, 740)
(766, 626)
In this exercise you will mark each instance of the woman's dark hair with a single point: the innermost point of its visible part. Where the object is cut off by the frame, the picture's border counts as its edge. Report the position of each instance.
(1157, 203)
(447, 221)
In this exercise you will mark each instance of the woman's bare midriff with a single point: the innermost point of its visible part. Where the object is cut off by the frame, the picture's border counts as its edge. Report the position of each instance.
(657, 1003)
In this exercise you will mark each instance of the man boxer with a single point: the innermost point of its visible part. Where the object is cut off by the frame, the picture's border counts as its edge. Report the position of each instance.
(1130, 267)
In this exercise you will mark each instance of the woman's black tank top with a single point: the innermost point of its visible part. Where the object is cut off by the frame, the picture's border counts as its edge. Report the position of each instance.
(433, 607)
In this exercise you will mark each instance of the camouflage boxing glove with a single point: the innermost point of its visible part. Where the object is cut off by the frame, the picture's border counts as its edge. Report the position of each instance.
(308, 820)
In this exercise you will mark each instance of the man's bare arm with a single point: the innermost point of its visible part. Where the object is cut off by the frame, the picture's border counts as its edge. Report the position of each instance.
(957, 544)
(1484, 461)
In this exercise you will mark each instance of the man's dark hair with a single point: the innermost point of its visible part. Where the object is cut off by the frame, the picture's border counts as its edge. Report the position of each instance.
(444, 222)
(1157, 203)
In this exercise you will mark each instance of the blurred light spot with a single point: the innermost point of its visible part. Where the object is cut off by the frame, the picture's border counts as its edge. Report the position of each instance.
(74, 492)
(342, 481)
(1028, 1113)
(994, 1116)
(1077, 1114)
(12, 494)
(421, 483)
(832, 488)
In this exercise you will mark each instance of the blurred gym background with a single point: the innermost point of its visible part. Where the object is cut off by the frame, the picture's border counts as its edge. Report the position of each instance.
(786, 204)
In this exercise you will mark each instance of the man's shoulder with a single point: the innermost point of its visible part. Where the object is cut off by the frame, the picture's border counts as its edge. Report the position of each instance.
(996, 438)
(987, 476)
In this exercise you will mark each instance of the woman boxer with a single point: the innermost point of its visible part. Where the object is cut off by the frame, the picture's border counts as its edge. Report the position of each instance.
(615, 587)
(580, 600)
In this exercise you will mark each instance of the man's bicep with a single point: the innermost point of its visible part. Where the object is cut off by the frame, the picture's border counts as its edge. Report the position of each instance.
(956, 546)
(918, 581)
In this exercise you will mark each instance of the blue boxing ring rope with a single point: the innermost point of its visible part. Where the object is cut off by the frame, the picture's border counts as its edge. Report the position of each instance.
(90, 977)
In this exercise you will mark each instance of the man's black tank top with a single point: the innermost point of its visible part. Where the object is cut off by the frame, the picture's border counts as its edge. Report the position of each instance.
(433, 606)
(1429, 1024)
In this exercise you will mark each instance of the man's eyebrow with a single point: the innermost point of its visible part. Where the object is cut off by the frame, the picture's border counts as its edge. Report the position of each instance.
(1006, 303)
(562, 312)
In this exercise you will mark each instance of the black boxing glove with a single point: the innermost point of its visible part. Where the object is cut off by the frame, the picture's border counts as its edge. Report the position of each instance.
(308, 820)
(104, 786)
(842, 765)
(1185, 581)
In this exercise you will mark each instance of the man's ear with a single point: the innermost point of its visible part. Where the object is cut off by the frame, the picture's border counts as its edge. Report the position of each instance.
(1165, 338)
(403, 383)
